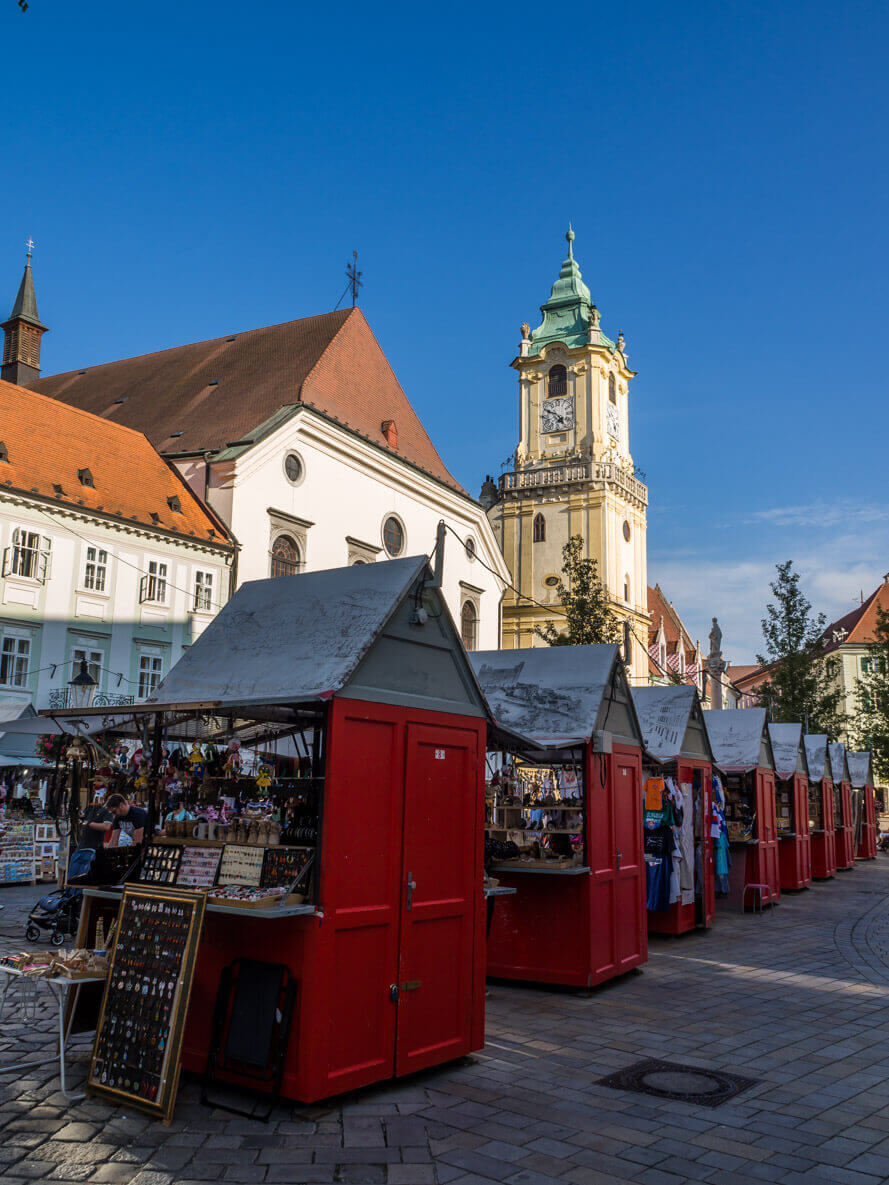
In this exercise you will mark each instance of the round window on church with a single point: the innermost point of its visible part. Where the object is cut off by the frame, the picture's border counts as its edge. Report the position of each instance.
(393, 536)
(293, 468)
(626, 531)
(551, 581)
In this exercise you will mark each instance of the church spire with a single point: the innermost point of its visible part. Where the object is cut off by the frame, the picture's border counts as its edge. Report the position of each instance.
(22, 332)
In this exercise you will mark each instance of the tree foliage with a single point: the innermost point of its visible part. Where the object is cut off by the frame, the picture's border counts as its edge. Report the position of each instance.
(802, 684)
(872, 695)
(583, 598)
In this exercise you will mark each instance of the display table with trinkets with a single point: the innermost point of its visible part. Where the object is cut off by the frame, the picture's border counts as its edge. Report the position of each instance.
(61, 974)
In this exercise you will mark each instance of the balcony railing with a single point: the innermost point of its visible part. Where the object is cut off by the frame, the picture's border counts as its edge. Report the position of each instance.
(102, 699)
(607, 472)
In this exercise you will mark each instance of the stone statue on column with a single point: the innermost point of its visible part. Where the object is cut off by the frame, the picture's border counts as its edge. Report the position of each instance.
(716, 666)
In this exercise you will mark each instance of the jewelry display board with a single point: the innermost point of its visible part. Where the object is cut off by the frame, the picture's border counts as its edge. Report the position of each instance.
(784, 813)
(241, 865)
(136, 1055)
(282, 866)
(160, 864)
(199, 867)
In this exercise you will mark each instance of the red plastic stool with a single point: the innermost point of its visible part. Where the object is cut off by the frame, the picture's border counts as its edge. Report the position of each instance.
(759, 890)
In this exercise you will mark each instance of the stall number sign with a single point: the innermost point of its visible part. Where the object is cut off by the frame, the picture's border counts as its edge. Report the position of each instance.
(439, 754)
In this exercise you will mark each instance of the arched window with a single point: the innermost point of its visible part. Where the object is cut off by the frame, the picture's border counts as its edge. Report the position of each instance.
(612, 389)
(557, 381)
(539, 528)
(469, 625)
(662, 657)
(627, 589)
(628, 643)
(285, 557)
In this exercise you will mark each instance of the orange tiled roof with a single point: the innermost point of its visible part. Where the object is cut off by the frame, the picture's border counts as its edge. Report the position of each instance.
(48, 443)
(207, 395)
(857, 626)
(675, 632)
(746, 677)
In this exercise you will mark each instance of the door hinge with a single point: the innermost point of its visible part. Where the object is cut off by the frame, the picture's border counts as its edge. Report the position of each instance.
(410, 985)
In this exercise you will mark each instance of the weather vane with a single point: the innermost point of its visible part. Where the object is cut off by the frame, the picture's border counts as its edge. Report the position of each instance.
(354, 275)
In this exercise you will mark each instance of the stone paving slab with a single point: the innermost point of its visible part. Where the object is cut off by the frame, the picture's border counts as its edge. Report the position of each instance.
(797, 999)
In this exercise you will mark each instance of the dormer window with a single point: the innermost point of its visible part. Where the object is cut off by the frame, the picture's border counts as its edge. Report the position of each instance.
(174, 504)
(155, 518)
(86, 478)
(557, 382)
(612, 388)
(4, 452)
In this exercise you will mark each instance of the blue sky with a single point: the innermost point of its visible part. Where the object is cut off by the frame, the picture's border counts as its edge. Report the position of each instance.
(191, 169)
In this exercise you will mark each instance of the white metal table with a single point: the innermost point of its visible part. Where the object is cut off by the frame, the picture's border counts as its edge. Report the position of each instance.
(59, 987)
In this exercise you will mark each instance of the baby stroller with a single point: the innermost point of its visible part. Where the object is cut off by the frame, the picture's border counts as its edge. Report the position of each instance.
(58, 912)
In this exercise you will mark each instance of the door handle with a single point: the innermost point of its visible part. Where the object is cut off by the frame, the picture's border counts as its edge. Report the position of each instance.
(411, 885)
(393, 992)
(619, 855)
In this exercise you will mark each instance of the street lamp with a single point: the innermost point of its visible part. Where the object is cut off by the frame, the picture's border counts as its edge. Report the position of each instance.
(82, 688)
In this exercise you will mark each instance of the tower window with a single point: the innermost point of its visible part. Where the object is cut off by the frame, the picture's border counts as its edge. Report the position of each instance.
(627, 589)
(612, 388)
(539, 528)
(628, 643)
(557, 381)
(469, 625)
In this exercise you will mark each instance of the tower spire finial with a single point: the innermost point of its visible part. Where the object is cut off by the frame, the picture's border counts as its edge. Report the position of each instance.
(29, 243)
(570, 237)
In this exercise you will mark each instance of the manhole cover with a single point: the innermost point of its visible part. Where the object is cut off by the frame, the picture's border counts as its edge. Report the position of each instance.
(688, 1084)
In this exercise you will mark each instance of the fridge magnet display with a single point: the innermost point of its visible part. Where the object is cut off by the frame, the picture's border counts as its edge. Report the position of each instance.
(136, 1055)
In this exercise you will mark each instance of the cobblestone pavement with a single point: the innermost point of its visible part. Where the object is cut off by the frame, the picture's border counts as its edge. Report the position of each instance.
(798, 1000)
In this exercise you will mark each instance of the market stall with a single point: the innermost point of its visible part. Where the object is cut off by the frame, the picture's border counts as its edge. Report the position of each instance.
(821, 807)
(362, 916)
(792, 806)
(565, 808)
(861, 772)
(677, 770)
(743, 751)
(843, 812)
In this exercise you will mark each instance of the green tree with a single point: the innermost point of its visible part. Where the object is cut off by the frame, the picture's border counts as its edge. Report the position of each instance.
(801, 685)
(584, 602)
(872, 695)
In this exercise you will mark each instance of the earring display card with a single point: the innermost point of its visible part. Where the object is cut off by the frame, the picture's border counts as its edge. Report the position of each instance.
(282, 866)
(199, 867)
(241, 865)
(136, 1055)
(161, 864)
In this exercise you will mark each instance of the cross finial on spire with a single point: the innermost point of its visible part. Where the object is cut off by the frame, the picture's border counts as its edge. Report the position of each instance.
(30, 245)
(570, 237)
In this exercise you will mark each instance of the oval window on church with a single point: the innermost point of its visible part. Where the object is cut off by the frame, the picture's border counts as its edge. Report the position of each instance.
(626, 531)
(551, 581)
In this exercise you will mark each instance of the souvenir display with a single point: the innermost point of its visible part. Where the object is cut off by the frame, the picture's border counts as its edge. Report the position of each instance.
(199, 867)
(241, 865)
(17, 852)
(740, 812)
(283, 865)
(537, 813)
(784, 808)
(238, 896)
(160, 864)
(139, 1034)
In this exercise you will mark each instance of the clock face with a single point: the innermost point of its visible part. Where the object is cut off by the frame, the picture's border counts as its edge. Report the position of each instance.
(557, 415)
(612, 421)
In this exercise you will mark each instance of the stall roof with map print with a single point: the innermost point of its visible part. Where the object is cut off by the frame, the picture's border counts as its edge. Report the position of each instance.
(739, 738)
(350, 631)
(861, 769)
(672, 722)
(838, 764)
(790, 753)
(558, 695)
(816, 756)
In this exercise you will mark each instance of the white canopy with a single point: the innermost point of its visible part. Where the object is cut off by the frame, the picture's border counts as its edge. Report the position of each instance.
(786, 745)
(665, 714)
(739, 738)
(816, 756)
(861, 768)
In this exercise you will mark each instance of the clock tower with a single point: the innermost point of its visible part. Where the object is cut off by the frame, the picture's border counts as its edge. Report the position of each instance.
(574, 472)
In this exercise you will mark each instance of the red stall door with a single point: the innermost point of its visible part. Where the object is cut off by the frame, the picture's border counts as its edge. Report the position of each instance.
(768, 831)
(441, 813)
(619, 929)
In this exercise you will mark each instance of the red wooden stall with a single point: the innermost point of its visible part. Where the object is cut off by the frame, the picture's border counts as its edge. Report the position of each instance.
(364, 665)
(579, 920)
(677, 747)
(742, 749)
(844, 819)
(821, 807)
(792, 806)
(861, 772)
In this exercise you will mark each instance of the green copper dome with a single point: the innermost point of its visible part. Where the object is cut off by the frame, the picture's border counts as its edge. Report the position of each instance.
(569, 312)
